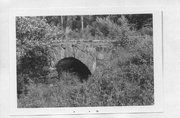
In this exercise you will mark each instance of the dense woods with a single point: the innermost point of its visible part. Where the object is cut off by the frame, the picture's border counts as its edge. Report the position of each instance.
(125, 78)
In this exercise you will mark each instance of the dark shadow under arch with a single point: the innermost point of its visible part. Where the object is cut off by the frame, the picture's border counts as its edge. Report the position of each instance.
(73, 65)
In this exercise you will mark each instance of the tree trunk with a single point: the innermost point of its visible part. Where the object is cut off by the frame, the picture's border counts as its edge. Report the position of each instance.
(82, 24)
(62, 20)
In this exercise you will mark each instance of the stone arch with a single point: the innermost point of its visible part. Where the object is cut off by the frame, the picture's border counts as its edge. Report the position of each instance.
(84, 52)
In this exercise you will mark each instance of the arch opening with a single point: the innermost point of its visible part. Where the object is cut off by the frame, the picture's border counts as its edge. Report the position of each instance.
(74, 66)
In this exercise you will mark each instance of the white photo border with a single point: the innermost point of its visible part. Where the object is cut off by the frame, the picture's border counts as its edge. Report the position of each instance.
(157, 51)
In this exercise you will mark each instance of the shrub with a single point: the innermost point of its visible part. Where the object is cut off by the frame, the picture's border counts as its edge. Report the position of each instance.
(104, 27)
(128, 85)
(33, 38)
(34, 28)
(33, 63)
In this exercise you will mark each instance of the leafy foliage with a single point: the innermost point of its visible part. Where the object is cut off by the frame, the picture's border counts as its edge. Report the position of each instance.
(123, 86)
(139, 21)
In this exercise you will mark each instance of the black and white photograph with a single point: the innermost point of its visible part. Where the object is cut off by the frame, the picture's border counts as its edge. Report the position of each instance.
(89, 59)
(85, 61)
(79, 61)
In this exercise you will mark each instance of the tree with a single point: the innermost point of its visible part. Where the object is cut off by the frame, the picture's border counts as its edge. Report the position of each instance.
(140, 20)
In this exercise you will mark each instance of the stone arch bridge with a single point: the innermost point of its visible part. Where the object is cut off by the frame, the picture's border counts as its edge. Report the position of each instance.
(86, 51)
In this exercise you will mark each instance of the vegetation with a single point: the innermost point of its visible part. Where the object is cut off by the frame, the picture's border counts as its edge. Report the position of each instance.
(123, 78)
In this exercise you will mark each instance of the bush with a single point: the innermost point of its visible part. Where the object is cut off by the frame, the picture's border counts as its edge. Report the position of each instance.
(104, 27)
(34, 28)
(128, 85)
(32, 41)
(33, 63)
